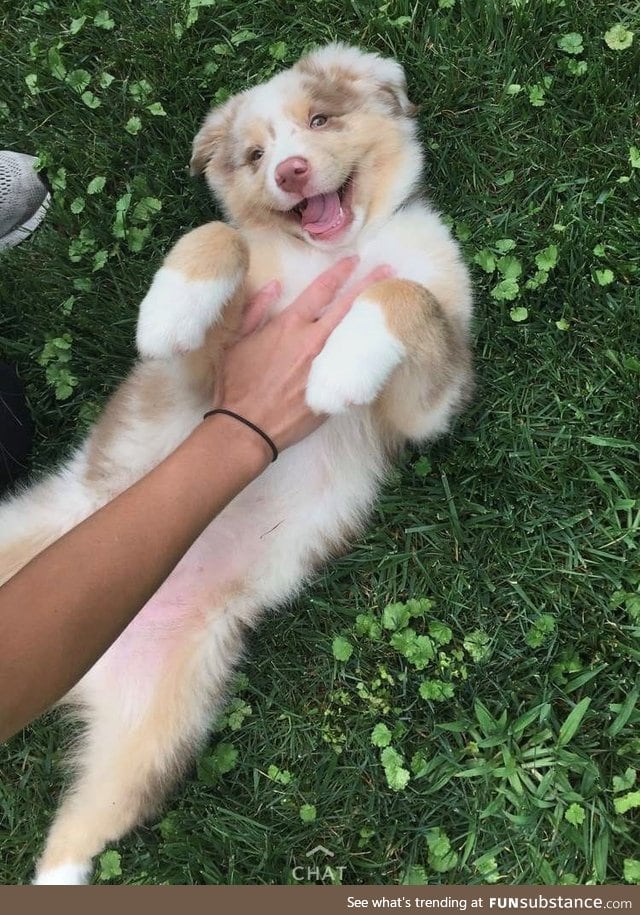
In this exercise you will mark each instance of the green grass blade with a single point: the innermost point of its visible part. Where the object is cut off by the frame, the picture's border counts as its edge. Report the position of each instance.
(570, 726)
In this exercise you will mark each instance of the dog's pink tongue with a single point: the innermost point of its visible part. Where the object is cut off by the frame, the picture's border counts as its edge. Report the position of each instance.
(321, 213)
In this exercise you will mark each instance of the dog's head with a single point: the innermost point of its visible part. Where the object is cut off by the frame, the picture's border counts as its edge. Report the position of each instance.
(320, 150)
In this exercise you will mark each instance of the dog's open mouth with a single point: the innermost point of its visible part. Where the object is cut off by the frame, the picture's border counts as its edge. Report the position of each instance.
(326, 215)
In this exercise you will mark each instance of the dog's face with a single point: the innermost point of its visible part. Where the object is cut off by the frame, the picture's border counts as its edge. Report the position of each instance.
(319, 151)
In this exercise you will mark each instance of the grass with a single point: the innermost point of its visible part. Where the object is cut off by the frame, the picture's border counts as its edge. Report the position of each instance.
(516, 761)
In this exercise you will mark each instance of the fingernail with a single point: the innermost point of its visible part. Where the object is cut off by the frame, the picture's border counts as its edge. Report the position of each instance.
(350, 261)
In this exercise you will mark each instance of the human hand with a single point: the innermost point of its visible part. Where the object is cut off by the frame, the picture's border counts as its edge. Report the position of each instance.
(264, 375)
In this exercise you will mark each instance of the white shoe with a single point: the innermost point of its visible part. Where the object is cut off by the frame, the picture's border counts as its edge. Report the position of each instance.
(24, 198)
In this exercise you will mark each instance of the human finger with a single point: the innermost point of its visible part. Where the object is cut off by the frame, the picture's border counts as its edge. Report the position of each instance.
(311, 302)
(335, 312)
(258, 306)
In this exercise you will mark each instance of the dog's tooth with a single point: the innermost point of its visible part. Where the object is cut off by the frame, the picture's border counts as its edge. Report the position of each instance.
(339, 218)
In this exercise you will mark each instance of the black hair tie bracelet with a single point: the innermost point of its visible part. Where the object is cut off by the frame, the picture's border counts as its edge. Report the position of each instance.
(248, 423)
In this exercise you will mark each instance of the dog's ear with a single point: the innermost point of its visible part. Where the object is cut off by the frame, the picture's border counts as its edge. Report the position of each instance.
(213, 137)
(394, 91)
(360, 71)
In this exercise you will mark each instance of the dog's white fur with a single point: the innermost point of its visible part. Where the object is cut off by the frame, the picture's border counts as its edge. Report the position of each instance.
(397, 368)
(361, 339)
(163, 324)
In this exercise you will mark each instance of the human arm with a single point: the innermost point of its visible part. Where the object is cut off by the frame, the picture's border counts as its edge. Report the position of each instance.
(64, 609)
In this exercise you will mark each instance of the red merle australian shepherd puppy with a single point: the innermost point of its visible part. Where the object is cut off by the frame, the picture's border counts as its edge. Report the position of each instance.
(320, 162)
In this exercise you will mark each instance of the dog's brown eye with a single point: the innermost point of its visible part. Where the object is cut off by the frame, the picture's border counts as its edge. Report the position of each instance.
(318, 120)
(256, 154)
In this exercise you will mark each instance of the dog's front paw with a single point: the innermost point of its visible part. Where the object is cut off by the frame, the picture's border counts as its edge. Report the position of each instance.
(356, 361)
(188, 294)
(176, 313)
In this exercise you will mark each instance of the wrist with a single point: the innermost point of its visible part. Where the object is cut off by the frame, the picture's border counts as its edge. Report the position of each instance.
(244, 447)
(242, 419)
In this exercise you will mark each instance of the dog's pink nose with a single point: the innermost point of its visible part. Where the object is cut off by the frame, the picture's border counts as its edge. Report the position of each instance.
(292, 174)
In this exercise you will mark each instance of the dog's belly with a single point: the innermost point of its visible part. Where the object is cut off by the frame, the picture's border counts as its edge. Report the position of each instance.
(255, 554)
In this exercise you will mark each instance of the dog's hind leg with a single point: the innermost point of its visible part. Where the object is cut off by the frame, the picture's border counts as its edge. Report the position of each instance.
(33, 519)
(122, 775)
(136, 743)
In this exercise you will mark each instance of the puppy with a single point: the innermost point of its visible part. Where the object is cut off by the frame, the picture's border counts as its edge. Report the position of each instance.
(320, 162)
